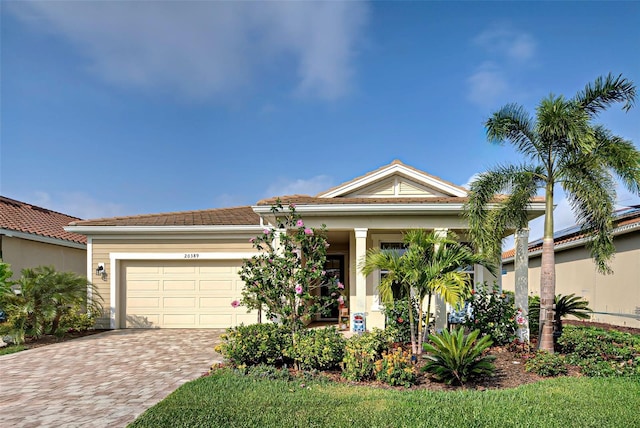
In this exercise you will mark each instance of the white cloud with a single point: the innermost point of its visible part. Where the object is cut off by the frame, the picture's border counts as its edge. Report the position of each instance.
(470, 180)
(207, 49)
(508, 43)
(487, 86)
(75, 204)
(226, 200)
(299, 186)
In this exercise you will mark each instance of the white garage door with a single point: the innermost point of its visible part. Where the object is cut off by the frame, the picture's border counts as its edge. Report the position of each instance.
(183, 294)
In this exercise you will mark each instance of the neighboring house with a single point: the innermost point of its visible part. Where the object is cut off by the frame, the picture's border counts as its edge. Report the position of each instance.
(180, 269)
(32, 236)
(615, 299)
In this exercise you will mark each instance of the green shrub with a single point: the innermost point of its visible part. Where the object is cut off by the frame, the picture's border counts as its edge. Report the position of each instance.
(397, 319)
(395, 368)
(317, 348)
(601, 353)
(455, 357)
(250, 345)
(546, 364)
(565, 306)
(493, 314)
(74, 319)
(360, 353)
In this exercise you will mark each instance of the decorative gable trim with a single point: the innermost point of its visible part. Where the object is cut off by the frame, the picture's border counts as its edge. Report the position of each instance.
(353, 187)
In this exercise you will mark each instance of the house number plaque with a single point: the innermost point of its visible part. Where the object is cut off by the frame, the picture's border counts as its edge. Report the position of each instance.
(191, 256)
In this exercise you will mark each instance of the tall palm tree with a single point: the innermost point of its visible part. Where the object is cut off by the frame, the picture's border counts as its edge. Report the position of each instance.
(562, 146)
(432, 264)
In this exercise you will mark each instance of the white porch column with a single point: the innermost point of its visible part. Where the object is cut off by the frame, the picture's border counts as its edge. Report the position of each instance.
(360, 304)
(521, 271)
(441, 306)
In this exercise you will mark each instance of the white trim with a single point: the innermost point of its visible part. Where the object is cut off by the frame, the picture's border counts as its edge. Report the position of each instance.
(116, 258)
(89, 271)
(377, 239)
(391, 170)
(44, 239)
(361, 232)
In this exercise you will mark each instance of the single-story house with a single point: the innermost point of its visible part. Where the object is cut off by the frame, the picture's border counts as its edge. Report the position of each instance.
(615, 298)
(179, 269)
(32, 236)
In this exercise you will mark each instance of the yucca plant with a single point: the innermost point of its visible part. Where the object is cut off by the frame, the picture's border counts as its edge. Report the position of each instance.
(454, 357)
(565, 306)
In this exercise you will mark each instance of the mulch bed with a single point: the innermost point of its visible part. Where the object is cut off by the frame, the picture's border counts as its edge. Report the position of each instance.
(31, 343)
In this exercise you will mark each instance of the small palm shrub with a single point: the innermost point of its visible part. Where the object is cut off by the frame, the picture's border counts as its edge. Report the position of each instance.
(546, 364)
(317, 348)
(569, 305)
(493, 313)
(395, 368)
(250, 345)
(361, 352)
(456, 358)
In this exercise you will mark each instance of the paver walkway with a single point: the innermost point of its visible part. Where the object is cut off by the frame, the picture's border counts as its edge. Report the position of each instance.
(103, 380)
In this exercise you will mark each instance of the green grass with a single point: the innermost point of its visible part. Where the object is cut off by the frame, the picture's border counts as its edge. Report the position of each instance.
(227, 400)
(11, 349)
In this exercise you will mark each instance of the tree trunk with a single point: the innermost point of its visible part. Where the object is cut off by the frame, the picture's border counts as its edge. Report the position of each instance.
(414, 346)
(547, 276)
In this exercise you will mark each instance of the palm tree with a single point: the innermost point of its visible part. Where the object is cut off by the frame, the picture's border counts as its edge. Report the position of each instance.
(432, 264)
(562, 146)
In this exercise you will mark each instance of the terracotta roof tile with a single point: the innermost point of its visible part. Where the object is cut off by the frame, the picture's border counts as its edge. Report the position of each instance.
(238, 216)
(26, 218)
(314, 200)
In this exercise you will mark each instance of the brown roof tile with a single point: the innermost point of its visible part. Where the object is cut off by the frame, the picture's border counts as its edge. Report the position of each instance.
(238, 216)
(314, 200)
(23, 217)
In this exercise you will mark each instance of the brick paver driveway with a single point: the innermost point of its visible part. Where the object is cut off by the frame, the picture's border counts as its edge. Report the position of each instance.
(103, 380)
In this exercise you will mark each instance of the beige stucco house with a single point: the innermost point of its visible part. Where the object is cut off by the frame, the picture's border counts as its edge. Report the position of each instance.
(32, 236)
(615, 299)
(180, 269)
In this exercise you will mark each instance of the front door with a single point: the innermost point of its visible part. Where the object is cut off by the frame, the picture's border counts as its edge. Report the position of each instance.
(334, 266)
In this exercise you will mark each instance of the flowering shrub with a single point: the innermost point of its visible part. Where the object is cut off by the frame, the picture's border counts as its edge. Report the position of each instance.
(249, 345)
(317, 348)
(493, 314)
(546, 364)
(395, 368)
(397, 319)
(361, 352)
(285, 277)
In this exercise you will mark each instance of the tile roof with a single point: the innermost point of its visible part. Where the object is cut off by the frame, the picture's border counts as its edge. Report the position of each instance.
(382, 168)
(27, 218)
(624, 217)
(238, 216)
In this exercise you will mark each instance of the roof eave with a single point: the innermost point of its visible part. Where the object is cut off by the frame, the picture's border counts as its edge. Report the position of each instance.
(142, 230)
(44, 239)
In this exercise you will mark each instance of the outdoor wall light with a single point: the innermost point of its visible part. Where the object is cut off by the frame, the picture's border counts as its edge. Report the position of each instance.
(101, 271)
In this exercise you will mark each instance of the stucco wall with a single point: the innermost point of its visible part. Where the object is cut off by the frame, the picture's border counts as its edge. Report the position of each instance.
(23, 253)
(615, 298)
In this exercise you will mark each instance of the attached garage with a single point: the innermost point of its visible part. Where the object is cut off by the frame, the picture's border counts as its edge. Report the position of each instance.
(181, 294)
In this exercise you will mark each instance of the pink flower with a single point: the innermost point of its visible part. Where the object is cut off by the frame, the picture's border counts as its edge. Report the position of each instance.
(324, 272)
(235, 303)
(292, 206)
(266, 231)
(252, 240)
(341, 300)
(308, 231)
(300, 223)
(340, 285)
(298, 289)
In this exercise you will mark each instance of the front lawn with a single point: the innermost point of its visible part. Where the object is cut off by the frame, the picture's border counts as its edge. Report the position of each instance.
(227, 399)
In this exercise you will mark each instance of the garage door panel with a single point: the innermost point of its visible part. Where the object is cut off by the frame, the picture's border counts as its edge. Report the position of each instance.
(183, 294)
(220, 285)
(142, 302)
(178, 320)
(179, 285)
(144, 285)
(179, 302)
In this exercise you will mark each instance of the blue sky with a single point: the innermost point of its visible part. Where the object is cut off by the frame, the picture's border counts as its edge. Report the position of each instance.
(122, 108)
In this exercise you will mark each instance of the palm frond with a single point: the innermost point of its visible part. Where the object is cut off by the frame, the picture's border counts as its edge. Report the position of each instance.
(512, 123)
(605, 91)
